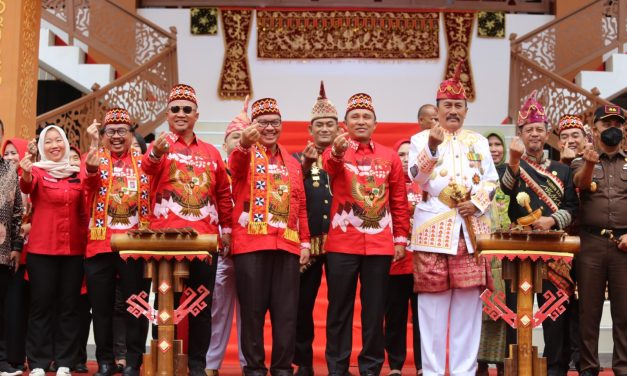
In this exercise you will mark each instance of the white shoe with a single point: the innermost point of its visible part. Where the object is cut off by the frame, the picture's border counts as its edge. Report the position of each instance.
(17, 372)
(63, 371)
(38, 372)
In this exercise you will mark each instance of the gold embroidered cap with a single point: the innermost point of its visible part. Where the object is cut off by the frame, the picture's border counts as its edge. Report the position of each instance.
(323, 108)
(453, 87)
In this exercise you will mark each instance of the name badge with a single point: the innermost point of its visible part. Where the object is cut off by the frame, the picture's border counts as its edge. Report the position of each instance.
(132, 185)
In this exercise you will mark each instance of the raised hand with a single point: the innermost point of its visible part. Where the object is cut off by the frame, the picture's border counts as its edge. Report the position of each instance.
(250, 135)
(92, 160)
(436, 137)
(310, 152)
(340, 145)
(27, 163)
(161, 145)
(94, 133)
(590, 155)
(516, 150)
(32, 149)
(567, 154)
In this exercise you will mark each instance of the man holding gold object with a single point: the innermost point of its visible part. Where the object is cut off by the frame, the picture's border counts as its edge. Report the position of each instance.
(546, 200)
(453, 165)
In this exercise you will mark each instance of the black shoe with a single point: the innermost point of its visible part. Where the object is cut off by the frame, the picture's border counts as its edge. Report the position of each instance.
(197, 372)
(130, 371)
(105, 369)
(589, 372)
(118, 368)
(81, 368)
(304, 371)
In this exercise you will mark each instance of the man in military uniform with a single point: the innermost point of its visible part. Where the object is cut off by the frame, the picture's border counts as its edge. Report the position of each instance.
(541, 191)
(323, 129)
(601, 177)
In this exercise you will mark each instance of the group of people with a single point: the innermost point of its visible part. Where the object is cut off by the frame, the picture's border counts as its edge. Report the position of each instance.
(402, 221)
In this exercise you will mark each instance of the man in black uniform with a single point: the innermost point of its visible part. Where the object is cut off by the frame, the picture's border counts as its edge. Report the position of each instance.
(534, 182)
(323, 129)
(601, 177)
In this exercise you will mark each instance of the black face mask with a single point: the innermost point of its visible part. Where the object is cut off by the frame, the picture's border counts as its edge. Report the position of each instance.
(612, 136)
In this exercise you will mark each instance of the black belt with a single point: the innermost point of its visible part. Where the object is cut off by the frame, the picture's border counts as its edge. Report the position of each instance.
(618, 232)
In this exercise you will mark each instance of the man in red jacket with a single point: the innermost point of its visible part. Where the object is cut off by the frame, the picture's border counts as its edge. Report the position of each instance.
(270, 239)
(117, 193)
(369, 228)
(190, 188)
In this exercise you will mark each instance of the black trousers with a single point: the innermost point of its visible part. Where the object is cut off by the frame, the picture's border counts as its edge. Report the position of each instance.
(53, 321)
(84, 312)
(400, 294)
(5, 276)
(309, 285)
(102, 275)
(556, 333)
(342, 273)
(16, 316)
(268, 281)
(119, 323)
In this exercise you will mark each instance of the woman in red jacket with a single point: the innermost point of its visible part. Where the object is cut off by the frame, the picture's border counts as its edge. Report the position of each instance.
(56, 246)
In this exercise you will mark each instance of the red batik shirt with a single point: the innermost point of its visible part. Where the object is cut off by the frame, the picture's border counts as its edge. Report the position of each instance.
(287, 207)
(369, 212)
(190, 187)
(414, 196)
(123, 206)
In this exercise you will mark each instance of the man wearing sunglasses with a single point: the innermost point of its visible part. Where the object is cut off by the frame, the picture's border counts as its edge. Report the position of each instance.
(117, 191)
(190, 189)
(270, 239)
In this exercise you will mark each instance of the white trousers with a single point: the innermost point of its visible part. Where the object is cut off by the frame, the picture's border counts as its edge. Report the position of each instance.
(463, 308)
(224, 299)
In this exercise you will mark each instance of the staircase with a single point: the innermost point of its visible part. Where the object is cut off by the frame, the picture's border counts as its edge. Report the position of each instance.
(542, 59)
(68, 64)
(609, 82)
(142, 51)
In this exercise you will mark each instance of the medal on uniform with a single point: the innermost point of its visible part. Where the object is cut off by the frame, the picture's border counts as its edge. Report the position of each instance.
(443, 172)
(593, 187)
(315, 176)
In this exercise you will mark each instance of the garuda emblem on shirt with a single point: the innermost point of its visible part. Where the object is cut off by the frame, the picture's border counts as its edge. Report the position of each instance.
(370, 201)
(190, 191)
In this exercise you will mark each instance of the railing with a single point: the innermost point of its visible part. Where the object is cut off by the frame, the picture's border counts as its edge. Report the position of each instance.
(541, 58)
(145, 50)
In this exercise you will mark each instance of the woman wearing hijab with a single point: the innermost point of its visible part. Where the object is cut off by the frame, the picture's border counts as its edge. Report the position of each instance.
(56, 246)
(493, 333)
(16, 301)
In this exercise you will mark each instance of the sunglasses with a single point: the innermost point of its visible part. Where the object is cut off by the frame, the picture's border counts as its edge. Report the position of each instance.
(186, 109)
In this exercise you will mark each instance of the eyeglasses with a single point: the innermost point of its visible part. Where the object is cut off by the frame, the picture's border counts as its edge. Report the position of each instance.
(110, 132)
(273, 123)
(186, 109)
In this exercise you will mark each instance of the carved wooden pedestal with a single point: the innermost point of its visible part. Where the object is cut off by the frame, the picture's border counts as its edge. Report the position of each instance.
(525, 269)
(167, 254)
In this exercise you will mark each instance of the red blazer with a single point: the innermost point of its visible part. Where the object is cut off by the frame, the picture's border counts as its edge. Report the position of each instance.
(59, 220)
(243, 242)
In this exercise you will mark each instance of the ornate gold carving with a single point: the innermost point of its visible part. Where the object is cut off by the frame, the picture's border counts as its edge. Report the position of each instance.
(28, 65)
(458, 27)
(235, 76)
(291, 34)
(126, 38)
(3, 8)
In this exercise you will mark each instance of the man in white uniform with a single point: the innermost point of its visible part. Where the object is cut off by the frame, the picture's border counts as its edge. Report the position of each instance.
(454, 167)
